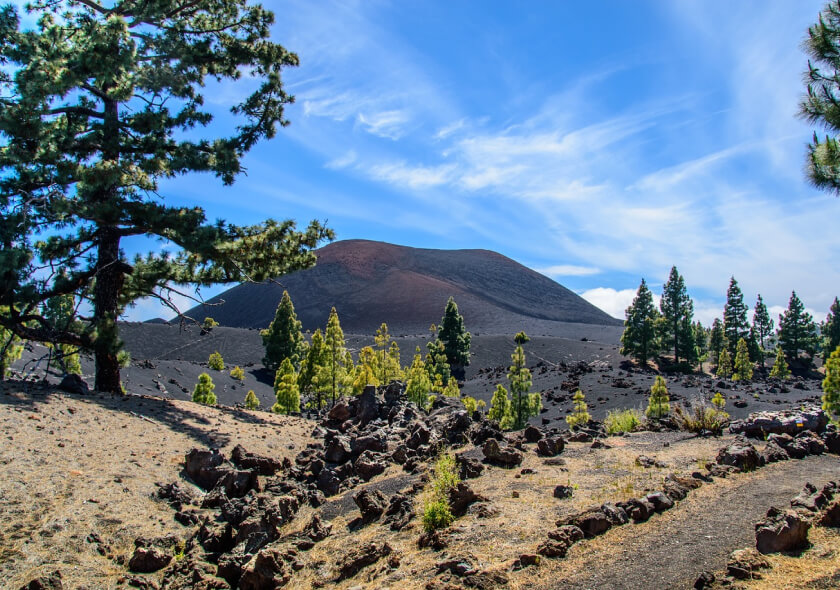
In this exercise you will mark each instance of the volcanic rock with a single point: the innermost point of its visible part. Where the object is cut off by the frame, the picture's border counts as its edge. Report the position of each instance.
(505, 456)
(781, 531)
(740, 454)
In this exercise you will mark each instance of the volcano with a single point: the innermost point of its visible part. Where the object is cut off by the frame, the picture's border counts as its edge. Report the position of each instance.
(373, 282)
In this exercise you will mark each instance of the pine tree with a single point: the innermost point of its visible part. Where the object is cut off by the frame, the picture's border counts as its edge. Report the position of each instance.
(580, 414)
(658, 405)
(436, 363)
(831, 385)
(105, 101)
(311, 368)
(237, 373)
(724, 367)
(831, 329)
(780, 368)
(382, 340)
(60, 311)
(282, 339)
(677, 310)
(701, 340)
(456, 340)
(251, 401)
(639, 337)
(519, 377)
(820, 105)
(797, 331)
(203, 392)
(393, 371)
(719, 402)
(762, 324)
(735, 324)
(335, 352)
(743, 364)
(716, 341)
(11, 348)
(216, 362)
(501, 408)
(286, 389)
(417, 382)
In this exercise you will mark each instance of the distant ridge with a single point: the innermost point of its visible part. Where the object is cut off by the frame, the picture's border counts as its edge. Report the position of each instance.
(373, 282)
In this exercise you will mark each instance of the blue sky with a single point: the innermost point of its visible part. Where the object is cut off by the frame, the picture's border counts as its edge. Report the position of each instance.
(595, 142)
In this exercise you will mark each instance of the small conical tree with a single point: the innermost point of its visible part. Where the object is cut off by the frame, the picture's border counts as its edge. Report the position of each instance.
(716, 341)
(743, 364)
(310, 368)
(831, 385)
(282, 339)
(286, 389)
(519, 377)
(456, 340)
(251, 401)
(335, 352)
(393, 372)
(203, 392)
(724, 368)
(580, 414)
(237, 373)
(501, 409)
(417, 382)
(658, 405)
(216, 362)
(780, 368)
(639, 337)
(362, 377)
(735, 325)
(436, 363)
(718, 401)
(762, 323)
(383, 341)
(831, 329)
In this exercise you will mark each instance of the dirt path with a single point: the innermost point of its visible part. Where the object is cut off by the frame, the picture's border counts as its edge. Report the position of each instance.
(671, 549)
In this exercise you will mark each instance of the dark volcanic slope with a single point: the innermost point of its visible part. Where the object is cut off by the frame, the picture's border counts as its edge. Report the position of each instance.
(374, 282)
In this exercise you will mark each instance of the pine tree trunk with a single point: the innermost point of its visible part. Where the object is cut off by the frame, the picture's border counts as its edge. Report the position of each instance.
(109, 279)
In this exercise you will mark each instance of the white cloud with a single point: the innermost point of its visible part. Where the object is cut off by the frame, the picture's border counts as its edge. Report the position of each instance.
(614, 302)
(344, 161)
(412, 176)
(388, 124)
(568, 270)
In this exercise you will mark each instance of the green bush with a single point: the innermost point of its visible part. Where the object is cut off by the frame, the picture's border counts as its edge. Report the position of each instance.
(251, 401)
(622, 420)
(437, 514)
(238, 374)
(209, 324)
(124, 359)
(580, 415)
(699, 416)
(203, 392)
(216, 362)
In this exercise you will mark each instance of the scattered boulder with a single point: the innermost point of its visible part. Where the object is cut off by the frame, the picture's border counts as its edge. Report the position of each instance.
(458, 566)
(638, 509)
(532, 434)
(72, 383)
(369, 442)
(258, 463)
(810, 499)
(648, 462)
(831, 515)
(505, 456)
(367, 406)
(740, 454)
(400, 512)
(316, 530)
(744, 564)
(360, 558)
(760, 424)
(781, 531)
(328, 482)
(559, 541)
(831, 438)
(811, 441)
(772, 453)
(49, 582)
(461, 497)
(550, 447)
(563, 492)
(148, 559)
(338, 449)
(617, 516)
(660, 501)
(592, 522)
(340, 412)
(435, 540)
(371, 504)
(203, 467)
(704, 580)
(468, 467)
(369, 465)
(266, 570)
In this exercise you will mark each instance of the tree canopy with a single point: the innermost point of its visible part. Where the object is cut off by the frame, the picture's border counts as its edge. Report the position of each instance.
(455, 339)
(821, 105)
(797, 330)
(677, 312)
(639, 337)
(282, 339)
(100, 102)
(735, 324)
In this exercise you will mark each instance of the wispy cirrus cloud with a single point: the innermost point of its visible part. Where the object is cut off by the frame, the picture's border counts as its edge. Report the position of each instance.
(568, 270)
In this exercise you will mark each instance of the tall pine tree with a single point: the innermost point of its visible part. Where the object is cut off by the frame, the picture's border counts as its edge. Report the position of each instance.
(735, 324)
(282, 339)
(717, 341)
(335, 353)
(762, 325)
(639, 337)
(677, 312)
(797, 331)
(831, 329)
(311, 370)
(525, 404)
(455, 339)
(105, 100)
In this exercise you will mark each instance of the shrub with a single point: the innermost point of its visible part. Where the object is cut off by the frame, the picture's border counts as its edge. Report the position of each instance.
(699, 416)
(124, 359)
(470, 404)
(238, 374)
(622, 420)
(580, 415)
(831, 385)
(203, 392)
(69, 359)
(437, 514)
(251, 401)
(209, 324)
(658, 405)
(216, 362)
(436, 511)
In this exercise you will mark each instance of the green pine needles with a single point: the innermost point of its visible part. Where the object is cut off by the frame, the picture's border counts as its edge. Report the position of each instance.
(283, 338)
(216, 362)
(286, 389)
(524, 404)
(580, 413)
(831, 386)
(780, 369)
(238, 374)
(501, 409)
(724, 368)
(658, 402)
(743, 364)
(437, 513)
(251, 401)
(203, 392)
